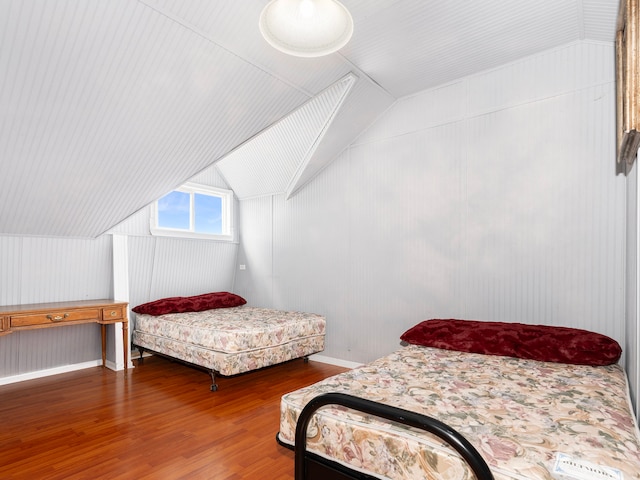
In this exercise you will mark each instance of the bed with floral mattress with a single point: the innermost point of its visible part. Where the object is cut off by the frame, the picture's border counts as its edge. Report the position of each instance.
(220, 333)
(533, 408)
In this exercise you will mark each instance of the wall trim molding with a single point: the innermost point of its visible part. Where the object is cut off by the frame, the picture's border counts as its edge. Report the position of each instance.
(54, 371)
(335, 361)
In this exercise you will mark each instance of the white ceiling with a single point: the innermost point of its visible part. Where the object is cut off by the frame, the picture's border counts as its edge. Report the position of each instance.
(107, 105)
(275, 160)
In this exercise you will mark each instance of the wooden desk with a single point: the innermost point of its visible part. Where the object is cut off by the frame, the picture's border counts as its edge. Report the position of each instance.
(45, 315)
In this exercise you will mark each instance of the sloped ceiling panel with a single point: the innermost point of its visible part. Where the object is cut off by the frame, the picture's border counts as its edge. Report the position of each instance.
(270, 161)
(346, 86)
(233, 24)
(364, 105)
(431, 42)
(100, 97)
(599, 20)
(107, 105)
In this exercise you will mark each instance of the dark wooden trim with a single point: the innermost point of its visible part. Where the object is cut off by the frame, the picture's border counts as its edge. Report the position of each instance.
(627, 85)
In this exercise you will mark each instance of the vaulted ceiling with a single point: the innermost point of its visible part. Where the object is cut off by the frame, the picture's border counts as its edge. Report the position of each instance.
(107, 105)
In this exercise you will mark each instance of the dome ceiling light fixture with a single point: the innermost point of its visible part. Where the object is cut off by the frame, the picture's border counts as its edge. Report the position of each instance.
(306, 28)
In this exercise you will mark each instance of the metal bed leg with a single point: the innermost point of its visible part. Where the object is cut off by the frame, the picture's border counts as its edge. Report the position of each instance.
(214, 385)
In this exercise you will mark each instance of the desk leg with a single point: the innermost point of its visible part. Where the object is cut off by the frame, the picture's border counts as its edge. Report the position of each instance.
(103, 331)
(125, 343)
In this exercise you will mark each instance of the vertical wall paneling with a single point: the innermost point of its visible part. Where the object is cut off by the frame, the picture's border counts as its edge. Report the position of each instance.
(309, 241)
(633, 340)
(141, 267)
(189, 267)
(546, 204)
(491, 198)
(10, 271)
(631, 346)
(50, 270)
(60, 269)
(255, 282)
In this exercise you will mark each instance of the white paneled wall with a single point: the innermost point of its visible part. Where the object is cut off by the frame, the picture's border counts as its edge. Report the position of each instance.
(256, 254)
(11, 269)
(37, 269)
(189, 267)
(56, 269)
(631, 344)
(493, 198)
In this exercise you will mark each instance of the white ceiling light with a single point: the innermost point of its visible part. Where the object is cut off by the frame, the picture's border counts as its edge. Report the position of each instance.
(306, 28)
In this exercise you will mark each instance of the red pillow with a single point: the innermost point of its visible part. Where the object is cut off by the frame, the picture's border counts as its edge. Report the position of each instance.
(196, 303)
(534, 342)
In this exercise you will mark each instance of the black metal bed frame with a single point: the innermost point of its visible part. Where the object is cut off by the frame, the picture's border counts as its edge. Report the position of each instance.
(211, 372)
(309, 466)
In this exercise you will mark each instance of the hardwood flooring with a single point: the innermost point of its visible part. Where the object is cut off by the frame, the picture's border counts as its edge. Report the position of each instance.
(156, 421)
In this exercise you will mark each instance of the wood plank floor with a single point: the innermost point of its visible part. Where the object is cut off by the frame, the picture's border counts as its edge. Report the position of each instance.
(157, 421)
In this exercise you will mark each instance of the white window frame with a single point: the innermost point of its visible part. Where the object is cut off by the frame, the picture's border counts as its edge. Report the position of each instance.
(228, 220)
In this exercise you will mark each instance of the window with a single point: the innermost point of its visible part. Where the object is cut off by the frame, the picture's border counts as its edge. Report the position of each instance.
(195, 211)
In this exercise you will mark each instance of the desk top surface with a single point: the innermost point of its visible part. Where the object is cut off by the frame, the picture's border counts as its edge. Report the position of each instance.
(32, 307)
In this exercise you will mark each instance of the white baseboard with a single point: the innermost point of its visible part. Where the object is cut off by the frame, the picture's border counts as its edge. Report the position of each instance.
(63, 369)
(116, 367)
(334, 361)
(49, 371)
(112, 365)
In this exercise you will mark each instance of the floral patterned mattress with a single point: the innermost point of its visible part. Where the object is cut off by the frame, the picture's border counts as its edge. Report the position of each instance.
(519, 414)
(232, 340)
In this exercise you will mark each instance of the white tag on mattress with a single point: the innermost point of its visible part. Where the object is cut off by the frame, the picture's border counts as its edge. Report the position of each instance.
(570, 468)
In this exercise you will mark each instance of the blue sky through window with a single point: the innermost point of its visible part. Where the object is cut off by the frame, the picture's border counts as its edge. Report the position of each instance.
(208, 211)
(174, 211)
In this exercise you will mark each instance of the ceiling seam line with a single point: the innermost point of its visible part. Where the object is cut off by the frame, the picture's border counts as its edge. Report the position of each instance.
(204, 36)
